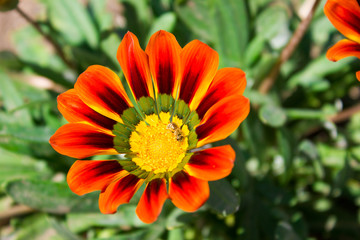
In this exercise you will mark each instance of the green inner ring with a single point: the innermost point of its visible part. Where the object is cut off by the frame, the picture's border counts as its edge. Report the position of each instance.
(131, 117)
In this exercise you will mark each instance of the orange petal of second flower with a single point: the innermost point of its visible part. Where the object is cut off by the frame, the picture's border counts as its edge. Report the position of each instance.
(343, 48)
(212, 164)
(80, 140)
(188, 193)
(345, 16)
(222, 119)
(152, 201)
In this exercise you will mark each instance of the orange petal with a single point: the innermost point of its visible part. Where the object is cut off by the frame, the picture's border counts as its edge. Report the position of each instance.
(119, 192)
(222, 119)
(101, 89)
(80, 140)
(342, 49)
(358, 75)
(135, 66)
(227, 82)
(75, 110)
(164, 60)
(188, 193)
(212, 164)
(87, 176)
(345, 16)
(152, 201)
(200, 64)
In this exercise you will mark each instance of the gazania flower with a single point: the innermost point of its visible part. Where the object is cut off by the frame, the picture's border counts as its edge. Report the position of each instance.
(345, 16)
(178, 101)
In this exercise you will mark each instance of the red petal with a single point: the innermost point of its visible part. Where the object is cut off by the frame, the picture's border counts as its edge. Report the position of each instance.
(75, 110)
(212, 164)
(87, 176)
(80, 140)
(188, 193)
(345, 16)
(152, 201)
(227, 82)
(118, 193)
(101, 89)
(134, 63)
(164, 59)
(222, 119)
(342, 49)
(200, 64)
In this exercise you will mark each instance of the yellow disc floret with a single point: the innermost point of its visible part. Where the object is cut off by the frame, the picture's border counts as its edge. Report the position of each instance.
(160, 145)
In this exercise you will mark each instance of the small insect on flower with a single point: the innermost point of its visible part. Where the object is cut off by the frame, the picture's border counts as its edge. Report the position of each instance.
(181, 102)
(176, 130)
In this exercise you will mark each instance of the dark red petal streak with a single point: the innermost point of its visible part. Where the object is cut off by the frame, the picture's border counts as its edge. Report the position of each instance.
(227, 82)
(212, 164)
(200, 64)
(164, 60)
(345, 16)
(152, 201)
(75, 110)
(80, 140)
(101, 89)
(222, 119)
(342, 49)
(87, 176)
(188, 193)
(134, 63)
(118, 192)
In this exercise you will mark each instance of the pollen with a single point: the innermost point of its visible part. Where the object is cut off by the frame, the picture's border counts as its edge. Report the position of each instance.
(159, 145)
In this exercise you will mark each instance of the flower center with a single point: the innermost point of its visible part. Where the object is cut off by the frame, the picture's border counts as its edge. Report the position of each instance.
(159, 145)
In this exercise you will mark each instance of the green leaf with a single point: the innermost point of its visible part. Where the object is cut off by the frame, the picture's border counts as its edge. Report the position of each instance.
(224, 23)
(103, 18)
(272, 24)
(50, 197)
(31, 134)
(284, 231)
(231, 32)
(36, 227)
(33, 51)
(176, 234)
(315, 72)
(8, 60)
(125, 217)
(13, 99)
(272, 115)
(15, 166)
(178, 218)
(73, 21)
(62, 230)
(109, 45)
(165, 22)
(254, 50)
(223, 197)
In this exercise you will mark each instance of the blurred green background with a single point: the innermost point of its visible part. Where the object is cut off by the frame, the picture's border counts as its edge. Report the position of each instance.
(296, 174)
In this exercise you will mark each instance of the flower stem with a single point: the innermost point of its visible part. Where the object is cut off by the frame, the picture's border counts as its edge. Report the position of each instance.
(288, 50)
(56, 46)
